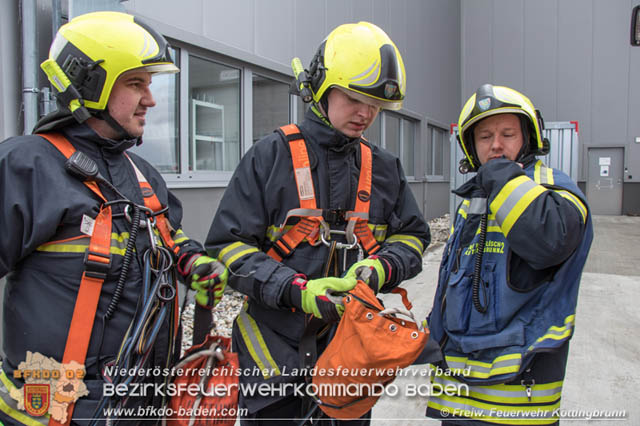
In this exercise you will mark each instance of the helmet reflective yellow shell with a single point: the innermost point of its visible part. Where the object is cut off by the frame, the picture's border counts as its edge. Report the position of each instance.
(362, 59)
(492, 100)
(91, 51)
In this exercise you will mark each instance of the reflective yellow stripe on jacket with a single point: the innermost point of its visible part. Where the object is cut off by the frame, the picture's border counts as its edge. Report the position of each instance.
(498, 404)
(408, 240)
(9, 406)
(179, 237)
(555, 333)
(81, 244)
(256, 345)
(504, 364)
(543, 174)
(513, 199)
(235, 251)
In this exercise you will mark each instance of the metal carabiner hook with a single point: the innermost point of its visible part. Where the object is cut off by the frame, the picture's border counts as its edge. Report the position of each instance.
(152, 235)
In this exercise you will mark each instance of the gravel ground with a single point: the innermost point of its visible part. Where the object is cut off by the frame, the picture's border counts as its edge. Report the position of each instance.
(229, 306)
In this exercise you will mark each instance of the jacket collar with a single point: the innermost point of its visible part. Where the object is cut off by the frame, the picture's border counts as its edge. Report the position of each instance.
(86, 139)
(315, 128)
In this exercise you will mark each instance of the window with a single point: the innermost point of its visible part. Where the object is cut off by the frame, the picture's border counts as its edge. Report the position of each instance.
(270, 106)
(437, 138)
(161, 138)
(400, 136)
(214, 116)
(209, 114)
(408, 147)
(372, 134)
(392, 134)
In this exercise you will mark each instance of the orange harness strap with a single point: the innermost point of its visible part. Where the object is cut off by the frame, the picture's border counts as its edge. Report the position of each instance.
(309, 224)
(97, 263)
(359, 219)
(164, 228)
(152, 202)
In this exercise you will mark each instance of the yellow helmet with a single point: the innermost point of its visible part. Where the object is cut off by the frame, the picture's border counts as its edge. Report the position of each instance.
(362, 59)
(492, 100)
(91, 51)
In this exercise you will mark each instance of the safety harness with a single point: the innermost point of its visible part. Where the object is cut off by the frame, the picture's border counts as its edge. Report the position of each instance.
(97, 263)
(312, 225)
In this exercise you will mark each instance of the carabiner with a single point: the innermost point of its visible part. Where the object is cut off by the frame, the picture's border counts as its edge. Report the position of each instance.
(152, 236)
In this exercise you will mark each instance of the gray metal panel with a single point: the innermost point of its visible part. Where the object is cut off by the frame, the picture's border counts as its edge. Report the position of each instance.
(362, 10)
(338, 12)
(477, 45)
(610, 71)
(397, 25)
(232, 23)
(274, 32)
(434, 193)
(632, 160)
(438, 69)
(631, 199)
(381, 13)
(310, 29)
(575, 58)
(199, 207)
(540, 58)
(508, 43)
(188, 16)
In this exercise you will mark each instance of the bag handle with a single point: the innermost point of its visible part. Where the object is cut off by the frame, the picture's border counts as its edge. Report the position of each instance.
(405, 312)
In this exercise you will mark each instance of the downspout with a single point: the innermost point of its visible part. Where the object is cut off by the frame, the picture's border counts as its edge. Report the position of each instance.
(48, 98)
(29, 65)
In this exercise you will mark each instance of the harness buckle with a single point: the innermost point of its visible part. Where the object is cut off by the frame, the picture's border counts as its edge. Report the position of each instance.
(281, 249)
(94, 265)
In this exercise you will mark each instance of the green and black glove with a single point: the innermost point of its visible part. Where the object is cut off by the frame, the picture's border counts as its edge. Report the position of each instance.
(207, 277)
(311, 296)
(374, 271)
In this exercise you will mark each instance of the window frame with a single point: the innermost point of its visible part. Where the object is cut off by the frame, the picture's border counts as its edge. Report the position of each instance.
(417, 121)
(186, 178)
(446, 152)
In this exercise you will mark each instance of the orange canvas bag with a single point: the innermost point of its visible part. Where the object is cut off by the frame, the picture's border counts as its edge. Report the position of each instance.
(371, 342)
(218, 401)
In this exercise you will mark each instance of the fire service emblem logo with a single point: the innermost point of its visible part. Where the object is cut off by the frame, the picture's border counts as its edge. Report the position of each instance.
(36, 399)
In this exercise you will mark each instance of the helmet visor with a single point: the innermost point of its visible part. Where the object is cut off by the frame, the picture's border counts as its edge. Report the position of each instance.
(369, 100)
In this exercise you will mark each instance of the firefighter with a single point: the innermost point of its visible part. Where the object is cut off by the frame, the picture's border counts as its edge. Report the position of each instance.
(505, 304)
(309, 209)
(91, 234)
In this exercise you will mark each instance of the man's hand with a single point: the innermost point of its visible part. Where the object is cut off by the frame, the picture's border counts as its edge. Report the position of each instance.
(311, 296)
(207, 277)
(370, 270)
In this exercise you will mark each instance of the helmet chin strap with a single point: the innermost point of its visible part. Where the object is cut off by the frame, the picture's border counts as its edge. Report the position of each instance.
(122, 133)
(526, 142)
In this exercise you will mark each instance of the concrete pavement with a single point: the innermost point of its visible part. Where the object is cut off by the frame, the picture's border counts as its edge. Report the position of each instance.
(603, 371)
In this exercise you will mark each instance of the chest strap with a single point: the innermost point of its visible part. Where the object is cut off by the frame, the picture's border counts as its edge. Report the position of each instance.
(311, 222)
